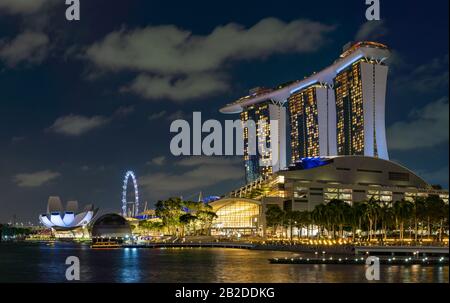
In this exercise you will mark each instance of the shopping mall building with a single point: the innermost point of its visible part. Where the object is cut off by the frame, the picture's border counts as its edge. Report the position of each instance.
(313, 181)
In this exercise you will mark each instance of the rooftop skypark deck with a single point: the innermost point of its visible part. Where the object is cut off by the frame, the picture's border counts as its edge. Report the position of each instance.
(370, 51)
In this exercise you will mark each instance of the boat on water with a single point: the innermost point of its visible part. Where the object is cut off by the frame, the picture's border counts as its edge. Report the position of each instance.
(106, 245)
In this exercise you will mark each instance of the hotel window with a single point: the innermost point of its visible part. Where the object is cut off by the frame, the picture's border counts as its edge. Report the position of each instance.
(338, 193)
(349, 111)
(410, 196)
(379, 195)
(444, 197)
(304, 123)
(393, 176)
(301, 192)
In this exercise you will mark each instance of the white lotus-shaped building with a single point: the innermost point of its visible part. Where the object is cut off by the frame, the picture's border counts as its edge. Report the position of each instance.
(60, 219)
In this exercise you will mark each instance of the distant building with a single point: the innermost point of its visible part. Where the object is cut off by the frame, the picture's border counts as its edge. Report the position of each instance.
(111, 227)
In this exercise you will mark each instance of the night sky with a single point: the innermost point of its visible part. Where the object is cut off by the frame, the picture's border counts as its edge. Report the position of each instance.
(83, 102)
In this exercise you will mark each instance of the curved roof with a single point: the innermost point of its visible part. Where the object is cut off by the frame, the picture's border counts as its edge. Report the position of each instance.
(54, 204)
(111, 220)
(111, 225)
(360, 50)
(72, 206)
(66, 220)
(58, 218)
(359, 170)
(223, 202)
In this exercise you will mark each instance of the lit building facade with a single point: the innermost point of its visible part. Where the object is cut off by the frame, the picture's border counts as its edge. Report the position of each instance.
(237, 216)
(337, 111)
(338, 143)
(268, 153)
(360, 91)
(60, 219)
(314, 181)
(312, 114)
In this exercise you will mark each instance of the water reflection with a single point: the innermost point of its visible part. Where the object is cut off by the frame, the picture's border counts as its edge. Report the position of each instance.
(41, 263)
(130, 268)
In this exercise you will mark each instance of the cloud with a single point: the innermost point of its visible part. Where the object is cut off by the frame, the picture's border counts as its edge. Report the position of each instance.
(175, 64)
(23, 6)
(29, 47)
(426, 78)
(124, 111)
(35, 179)
(169, 50)
(371, 30)
(156, 116)
(158, 160)
(197, 173)
(17, 139)
(427, 127)
(179, 114)
(177, 89)
(76, 125)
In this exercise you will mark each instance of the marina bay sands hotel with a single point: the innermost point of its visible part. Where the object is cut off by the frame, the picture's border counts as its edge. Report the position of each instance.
(337, 111)
(334, 123)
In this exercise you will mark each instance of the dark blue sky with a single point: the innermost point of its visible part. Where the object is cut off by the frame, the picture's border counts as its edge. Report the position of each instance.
(77, 110)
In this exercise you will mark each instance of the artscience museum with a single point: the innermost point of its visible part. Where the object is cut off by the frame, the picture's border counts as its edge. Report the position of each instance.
(70, 218)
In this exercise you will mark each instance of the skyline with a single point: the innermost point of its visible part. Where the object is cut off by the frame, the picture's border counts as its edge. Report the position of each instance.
(90, 113)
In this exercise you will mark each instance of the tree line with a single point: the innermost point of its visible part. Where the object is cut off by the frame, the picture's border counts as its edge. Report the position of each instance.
(181, 218)
(367, 220)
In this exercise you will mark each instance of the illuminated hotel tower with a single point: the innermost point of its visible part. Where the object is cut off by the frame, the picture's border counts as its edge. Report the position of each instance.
(313, 122)
(337, 111)
(360, 106)
(340, 110)
(261, 160)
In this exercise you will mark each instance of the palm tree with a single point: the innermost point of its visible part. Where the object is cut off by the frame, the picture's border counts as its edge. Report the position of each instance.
(403, 211)
(304, 221)
(290, 219)
(419, 213)
(274, 217)
(386, 219)
(318, 217)
(372, 213)
(357, 216)
(436, 213)
(339, 214)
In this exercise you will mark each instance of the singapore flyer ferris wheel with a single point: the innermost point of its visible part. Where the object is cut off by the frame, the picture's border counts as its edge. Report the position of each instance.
(130, 208)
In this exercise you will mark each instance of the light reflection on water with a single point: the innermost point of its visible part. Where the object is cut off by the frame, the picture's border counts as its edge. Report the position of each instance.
(41, 263)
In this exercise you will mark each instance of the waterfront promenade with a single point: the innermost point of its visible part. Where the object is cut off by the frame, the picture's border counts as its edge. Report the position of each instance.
(318, 250)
